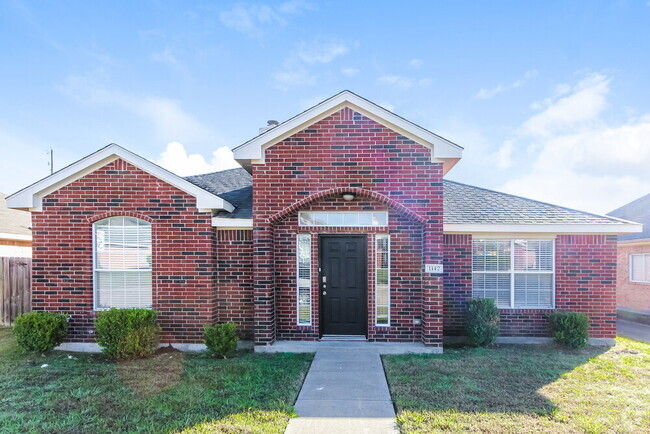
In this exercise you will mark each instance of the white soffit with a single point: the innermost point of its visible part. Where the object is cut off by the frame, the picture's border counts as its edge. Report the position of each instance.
(614, 228)
(31, 197)
(442, 150)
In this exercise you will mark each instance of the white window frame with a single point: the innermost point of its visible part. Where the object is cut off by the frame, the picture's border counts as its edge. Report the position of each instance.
(377, 238)
(631, 270)
(96, 270)
(311, 296)
(384, 213)
(512, 272)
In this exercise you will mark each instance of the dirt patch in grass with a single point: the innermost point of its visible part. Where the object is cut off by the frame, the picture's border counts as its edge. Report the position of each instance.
(168, 392)
(524, 388)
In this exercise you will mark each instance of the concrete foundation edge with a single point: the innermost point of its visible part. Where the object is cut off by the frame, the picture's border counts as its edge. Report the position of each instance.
(526, 340)
(93, 347)
(377, 347)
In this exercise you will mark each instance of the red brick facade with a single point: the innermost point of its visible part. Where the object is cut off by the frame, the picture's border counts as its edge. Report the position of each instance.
(345, 151)
(202, 275)
(585, 281)
(406, 273)
(183, 250)
(235, 280)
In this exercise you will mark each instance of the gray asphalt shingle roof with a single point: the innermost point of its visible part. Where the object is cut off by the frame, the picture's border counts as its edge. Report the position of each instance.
(234, 185)
(475, 205)
(638, 211)
(463, 204)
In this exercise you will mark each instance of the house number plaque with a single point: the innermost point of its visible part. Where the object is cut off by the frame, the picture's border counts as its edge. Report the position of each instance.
(433, 268)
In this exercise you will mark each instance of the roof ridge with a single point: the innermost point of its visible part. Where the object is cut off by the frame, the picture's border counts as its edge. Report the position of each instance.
(541, 202)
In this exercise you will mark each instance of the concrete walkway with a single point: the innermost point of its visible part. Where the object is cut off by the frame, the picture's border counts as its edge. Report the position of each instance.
(633, 330)
(344, 392)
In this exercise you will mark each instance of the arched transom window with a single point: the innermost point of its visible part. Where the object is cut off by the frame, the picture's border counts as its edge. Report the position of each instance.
(122, 263)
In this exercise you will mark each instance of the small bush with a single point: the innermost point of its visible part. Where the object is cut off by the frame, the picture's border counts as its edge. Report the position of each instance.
(221, 339)
(40, 331)
(570, 329)
(127, 333)
(482, 321)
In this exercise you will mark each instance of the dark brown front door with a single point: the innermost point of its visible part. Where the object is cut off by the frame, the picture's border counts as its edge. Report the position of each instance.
(343, 287)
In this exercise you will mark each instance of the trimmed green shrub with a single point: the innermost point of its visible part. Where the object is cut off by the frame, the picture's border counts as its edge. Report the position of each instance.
(570, 329)
(221, 339)
(127, 333)
(482, 321)
(40, 331)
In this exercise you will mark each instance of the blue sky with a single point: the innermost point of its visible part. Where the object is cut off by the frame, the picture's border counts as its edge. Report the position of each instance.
(550, 100)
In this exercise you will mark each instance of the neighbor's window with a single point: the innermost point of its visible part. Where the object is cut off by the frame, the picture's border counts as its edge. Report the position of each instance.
(382, 279)
(122, 263)
(343, 218)
(640, 268)
(515, 273)
(304, 279)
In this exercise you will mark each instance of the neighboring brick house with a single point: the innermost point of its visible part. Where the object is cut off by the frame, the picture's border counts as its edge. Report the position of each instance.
(633, 288)
(340, 225)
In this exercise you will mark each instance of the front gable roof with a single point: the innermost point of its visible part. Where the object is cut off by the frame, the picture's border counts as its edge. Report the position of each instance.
(442, 150)
(31, 197)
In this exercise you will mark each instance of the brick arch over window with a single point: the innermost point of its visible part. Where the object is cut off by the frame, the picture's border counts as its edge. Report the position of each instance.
(104, 215)
(358, 192)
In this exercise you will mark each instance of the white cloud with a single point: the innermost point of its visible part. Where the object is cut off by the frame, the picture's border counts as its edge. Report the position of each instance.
(572, 155)
(583, 105)
(176, 159)
(500, 88)
(293, 77)
(166, 116)
(255, 20)
(297, 69)
(350, 72)
(321, 52)
(168, 58)
(415, 63)
(403, 82)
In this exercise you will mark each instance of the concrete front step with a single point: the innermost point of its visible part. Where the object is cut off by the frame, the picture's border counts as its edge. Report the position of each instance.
(370, 347)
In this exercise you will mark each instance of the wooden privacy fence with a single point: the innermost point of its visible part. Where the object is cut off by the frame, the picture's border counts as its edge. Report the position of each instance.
(15, 288)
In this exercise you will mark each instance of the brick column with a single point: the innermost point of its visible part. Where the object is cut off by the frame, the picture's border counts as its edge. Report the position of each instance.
(432, 286)
(263, 286)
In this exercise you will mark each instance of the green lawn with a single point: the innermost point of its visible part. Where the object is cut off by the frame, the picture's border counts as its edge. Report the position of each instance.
(523, 388)
(166, 393)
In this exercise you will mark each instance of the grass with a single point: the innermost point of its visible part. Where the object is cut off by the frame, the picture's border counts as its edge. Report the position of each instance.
(523, 388)
(169, 392)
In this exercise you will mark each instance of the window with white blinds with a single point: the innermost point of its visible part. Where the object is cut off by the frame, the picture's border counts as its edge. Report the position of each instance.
(304, 279)
(382, 282)
(122, 263)
(515, 273)
(640, 268)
